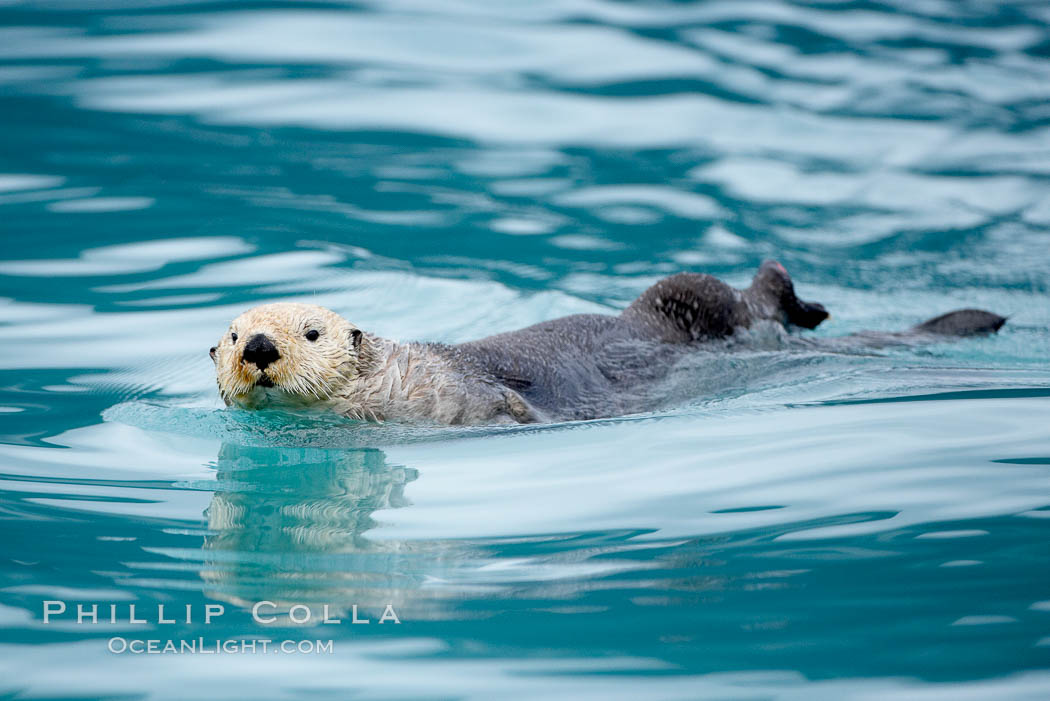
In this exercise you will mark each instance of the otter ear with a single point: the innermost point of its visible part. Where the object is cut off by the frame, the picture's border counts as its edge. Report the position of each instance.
(355, 338)
(212, 352)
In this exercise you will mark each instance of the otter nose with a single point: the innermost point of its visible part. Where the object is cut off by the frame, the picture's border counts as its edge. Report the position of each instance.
(261, 351)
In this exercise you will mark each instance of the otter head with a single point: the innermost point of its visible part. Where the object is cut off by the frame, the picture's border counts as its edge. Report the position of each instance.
(287, 354)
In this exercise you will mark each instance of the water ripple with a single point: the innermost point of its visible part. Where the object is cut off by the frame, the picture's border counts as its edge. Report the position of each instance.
(869, 524)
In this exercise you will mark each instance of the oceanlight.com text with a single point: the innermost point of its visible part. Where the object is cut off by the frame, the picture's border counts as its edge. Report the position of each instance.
(202, 646)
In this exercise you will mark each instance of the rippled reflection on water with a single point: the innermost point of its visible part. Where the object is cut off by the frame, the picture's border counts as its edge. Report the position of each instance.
(811, 525)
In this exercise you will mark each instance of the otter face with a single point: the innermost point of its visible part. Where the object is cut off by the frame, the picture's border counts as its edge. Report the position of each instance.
(286, 354)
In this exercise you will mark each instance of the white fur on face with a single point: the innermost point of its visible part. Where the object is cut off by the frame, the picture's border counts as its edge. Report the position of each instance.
(306, 372)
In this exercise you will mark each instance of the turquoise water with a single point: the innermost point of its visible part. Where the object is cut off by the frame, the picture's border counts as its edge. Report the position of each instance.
(794, 525)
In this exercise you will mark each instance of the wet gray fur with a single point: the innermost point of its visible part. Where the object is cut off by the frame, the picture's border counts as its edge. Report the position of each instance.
(592, 365)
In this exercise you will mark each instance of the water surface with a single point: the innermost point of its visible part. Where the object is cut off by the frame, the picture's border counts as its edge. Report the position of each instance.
(796, 525)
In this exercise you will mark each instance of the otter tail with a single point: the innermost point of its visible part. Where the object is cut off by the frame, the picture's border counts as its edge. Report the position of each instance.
(963, 322)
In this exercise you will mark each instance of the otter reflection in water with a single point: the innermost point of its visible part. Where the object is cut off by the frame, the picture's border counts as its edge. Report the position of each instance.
(287, 525)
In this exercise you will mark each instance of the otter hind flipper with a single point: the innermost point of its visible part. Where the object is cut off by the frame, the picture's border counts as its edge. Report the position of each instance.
(807, 315)
(962, 322)
(773, 284)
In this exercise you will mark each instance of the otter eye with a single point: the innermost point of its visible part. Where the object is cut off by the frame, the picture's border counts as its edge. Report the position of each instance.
(312, 335)
(233, 337)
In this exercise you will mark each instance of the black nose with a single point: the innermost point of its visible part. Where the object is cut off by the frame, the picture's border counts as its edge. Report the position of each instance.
(261, 351)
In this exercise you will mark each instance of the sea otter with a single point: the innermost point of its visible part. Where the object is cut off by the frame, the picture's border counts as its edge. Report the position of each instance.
(583, 366)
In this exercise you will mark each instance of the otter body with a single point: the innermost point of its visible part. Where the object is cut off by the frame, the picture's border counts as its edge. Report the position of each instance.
(577, 367)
